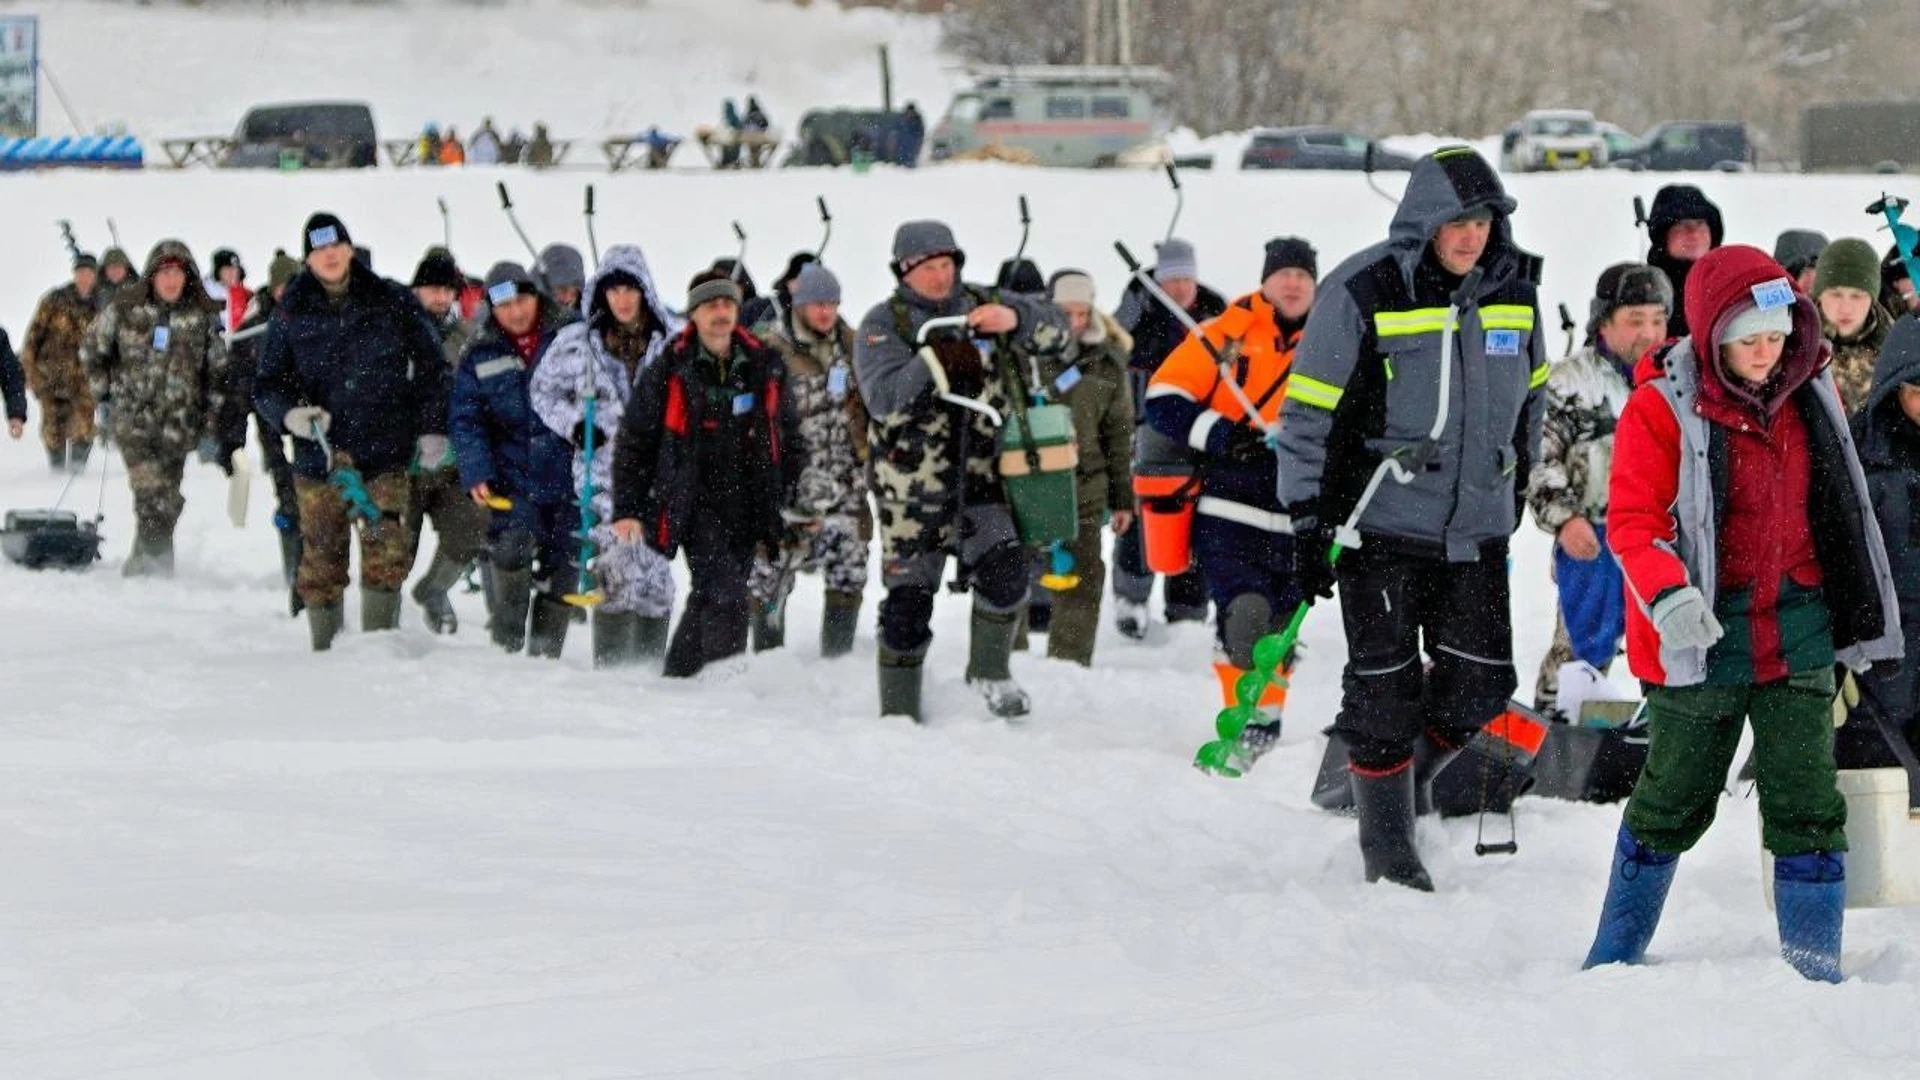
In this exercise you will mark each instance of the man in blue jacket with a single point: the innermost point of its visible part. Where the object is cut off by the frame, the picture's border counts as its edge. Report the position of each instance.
(511, 462)
(350, 355)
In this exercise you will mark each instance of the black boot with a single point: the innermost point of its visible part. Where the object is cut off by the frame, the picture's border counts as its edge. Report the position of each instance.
(1429, 757)
(512, 590)
(837, 627)
(1384, 802)
(900, 675)
(291, 548)
(77, 453)
(549, 634)
(616, 639)
(57, 458)
(430, 592)
(323, 625)
(650, 641)
(768, 630)
(379, 610)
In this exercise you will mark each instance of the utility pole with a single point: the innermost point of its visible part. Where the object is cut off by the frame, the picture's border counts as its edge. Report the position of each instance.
(1124, 15)
(1090, 33)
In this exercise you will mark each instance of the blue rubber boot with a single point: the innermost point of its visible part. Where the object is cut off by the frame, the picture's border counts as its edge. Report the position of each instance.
(1810, 899)
(1635, 894)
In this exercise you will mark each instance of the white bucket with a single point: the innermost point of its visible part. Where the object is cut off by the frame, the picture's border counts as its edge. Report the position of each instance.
(1883, 841)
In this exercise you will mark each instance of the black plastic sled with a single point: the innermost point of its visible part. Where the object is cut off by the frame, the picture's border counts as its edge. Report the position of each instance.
(50, 540)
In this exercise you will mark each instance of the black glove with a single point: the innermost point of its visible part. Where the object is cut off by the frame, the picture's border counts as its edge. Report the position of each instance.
(580, 436)
(966, 370)
(1245, 444)
(1311, 569)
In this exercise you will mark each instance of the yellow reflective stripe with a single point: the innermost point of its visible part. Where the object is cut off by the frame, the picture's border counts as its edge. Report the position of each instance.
(1404, 323)
(1313, 392)
(1539, 376)
(1506, 317)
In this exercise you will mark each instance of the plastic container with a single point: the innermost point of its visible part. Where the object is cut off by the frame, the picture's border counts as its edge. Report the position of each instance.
(1040, 472)
(1166, 495)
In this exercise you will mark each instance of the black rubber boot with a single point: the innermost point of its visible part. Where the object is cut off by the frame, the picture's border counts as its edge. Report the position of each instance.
(838, 625)
(78, 451)
(291, 548)
(616, 639)
(651, 641)
(1333, 787)
(1429, 757)
(549, 634)
(379, 610)
(767, 630)
(900, 676)
(1384, 803)
(57, 458)
(430, 592)
(323, 625)
(512, 591)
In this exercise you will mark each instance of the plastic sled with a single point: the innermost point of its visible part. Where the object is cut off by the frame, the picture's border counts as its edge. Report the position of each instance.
(50, 539)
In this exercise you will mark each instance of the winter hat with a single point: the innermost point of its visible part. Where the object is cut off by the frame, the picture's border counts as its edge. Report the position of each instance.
(815, 285)
(437, 268)
(795, 262)
(1020, 276)
(282, 270)
(1682, 202)
(226, 257)
(1797, 249)
(1848, 263)
(1627, 285)
(507, 280)
(710, 285)
(1729, 279)
(1753, 319)
(1073, 287)
(322, 230)
(115, 257)
(1175, 259)
(731, 268)
(84, 261)
(1894, 268)
(914, 242)
(1289, 253)
(560, 267)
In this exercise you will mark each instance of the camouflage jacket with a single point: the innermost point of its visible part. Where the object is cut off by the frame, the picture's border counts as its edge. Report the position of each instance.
(1585, 394)
(833, 422)
(50, 355)
(915, 438)
(163, 365)
(1853, 357)
(1100, 394)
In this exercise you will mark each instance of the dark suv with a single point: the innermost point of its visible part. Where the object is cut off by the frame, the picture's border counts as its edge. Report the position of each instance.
(321, 134)
(1315, 148)
(1692, 145)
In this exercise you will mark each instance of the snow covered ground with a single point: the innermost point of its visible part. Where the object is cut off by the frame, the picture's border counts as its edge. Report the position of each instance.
(224, 857)
(413, 857)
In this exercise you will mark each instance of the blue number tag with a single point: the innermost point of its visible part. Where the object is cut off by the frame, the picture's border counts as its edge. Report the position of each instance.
(161, 335)
(325, 236)
(1503, 343)
(503, 292)
(1067, 380)
(1777, 293)
(742, 404)
(837, 381)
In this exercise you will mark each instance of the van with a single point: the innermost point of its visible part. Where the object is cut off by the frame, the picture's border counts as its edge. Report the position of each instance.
(316, 134)
(1059, 115)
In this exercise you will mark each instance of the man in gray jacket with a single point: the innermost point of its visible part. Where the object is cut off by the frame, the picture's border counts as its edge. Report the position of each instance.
(934, 475)
(1428, 569)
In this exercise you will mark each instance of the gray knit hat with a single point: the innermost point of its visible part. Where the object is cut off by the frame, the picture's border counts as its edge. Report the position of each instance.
(1796, 249)
(914, 242)
(815, 285)
(507, 280)
(1175, 259)
(708, 286)
(560, 266)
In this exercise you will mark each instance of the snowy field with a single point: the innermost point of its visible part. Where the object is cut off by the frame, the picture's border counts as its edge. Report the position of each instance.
(225, 858)
(414, 857)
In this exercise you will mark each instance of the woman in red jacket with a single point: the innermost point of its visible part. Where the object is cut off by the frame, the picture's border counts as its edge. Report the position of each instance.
(1753, 563)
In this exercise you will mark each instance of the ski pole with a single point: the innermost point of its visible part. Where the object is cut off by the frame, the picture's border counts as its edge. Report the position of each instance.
(1179, 198)
(66, 234)
(826, 229)
(1026, 229)
(506, 203)
(1640, 219)
(1221, 360)
(1567, 324)
(446, 225)
(740, 260)
(1366, 166)
(1220, 756)
(593, 244)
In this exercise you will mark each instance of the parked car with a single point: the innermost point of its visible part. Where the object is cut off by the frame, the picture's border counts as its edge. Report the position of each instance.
(1058, 115)
(1694, 145)
(318, 134)
(1553, 139)
(1315, 147)
(1620, 142)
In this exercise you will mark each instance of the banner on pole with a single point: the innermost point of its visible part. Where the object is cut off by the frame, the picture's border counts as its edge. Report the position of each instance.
(19, 76)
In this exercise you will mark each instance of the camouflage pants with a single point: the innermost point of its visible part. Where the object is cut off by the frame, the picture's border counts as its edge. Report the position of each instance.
(327, 535)
(459, 522)
(1546, 688)
(834, 550)
(634, 578)
(66, 411)
(155, 480)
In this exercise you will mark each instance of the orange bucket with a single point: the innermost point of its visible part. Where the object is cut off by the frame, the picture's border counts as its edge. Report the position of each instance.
(1166, 515)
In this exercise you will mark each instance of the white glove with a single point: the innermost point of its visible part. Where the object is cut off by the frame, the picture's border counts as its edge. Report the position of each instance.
(301, 418)
(433, 451)
(1684, 620)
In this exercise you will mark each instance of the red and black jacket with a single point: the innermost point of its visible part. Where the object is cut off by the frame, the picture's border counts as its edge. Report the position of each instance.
(695, 441)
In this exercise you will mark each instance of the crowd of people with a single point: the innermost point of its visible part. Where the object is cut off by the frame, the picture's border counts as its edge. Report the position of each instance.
(486, 146)
(1728, 467)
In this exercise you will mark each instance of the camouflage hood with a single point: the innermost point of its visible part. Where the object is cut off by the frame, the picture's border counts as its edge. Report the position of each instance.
(629, 260)
(195, 292)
